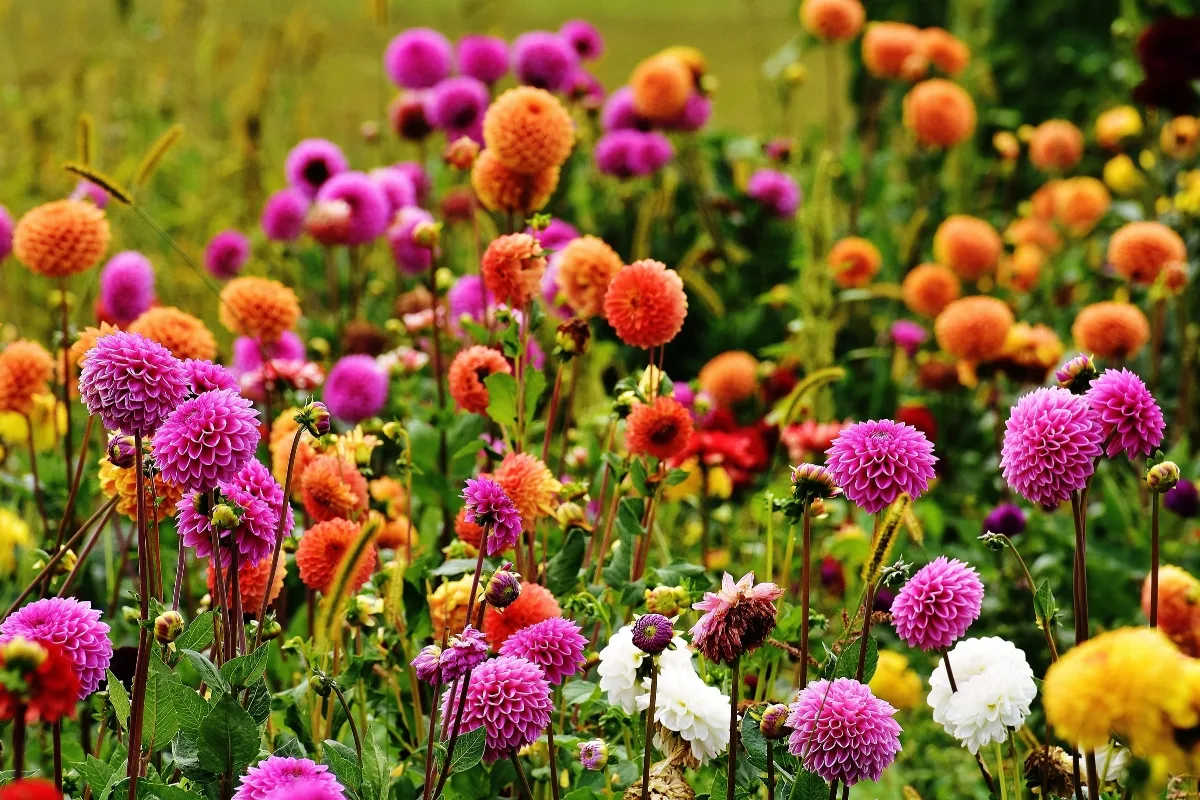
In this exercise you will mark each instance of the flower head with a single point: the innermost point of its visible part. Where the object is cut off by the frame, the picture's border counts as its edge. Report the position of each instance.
(283, 215)
(895, 681)
(652, 633)
(132, 383)
(1056, 145)
(968, 245)
(554, 644)
(1077, 374)
(322, 550)
(593, 754)
(632, 153)
(513, 723)
(908, 336)
(661, 429)
(813, 482)
(240, 517)
(427, 664)
(842, 732)
(586, 266)
(61, 238)
(1128, 415)
(875, 461)
(368, 205)
(40, 681)
(1111, 330)
(503, 588)
(775, 191)
(529, 482)
(832, 20)
(646, 304)
(252, 583)
(939, 113)
(185, 335)
(205, 376)
(853, 262)
(127, 286)
(737, 618)
(938, 604)
(501, 188)
(457, 105)
(259, 308)
(484, 58)
(70, 624)
(25, 372)
(512, 268)
(1006, 518)
(1050, 440)
(226, 254)
(332, 487)
(206, 440)
(687, 709)
(418, 58)
(1139, 250)
(528, 130)
(887, 47)
(355, 389)
(1080, 203)
(311, 163)
(1178, 596)
(993, 691)
(620, 667)
(464, 652)
(536, 604)
(491, 507)
(468, 371)
(583, 38)
(1183, 499)
(544, 60)
(974, 328)
(661, 86)
(278, 774)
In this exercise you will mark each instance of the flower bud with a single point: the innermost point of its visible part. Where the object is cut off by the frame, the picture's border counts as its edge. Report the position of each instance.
(813, 481)
(1162, 477)
(461, 153)
(321, 684)
(66, 564)
(427, 235)
(571, 515)
(22, 655)
(539, 222)
(271, 629)
(1077, 374)
(224, 517)
(503, 588)
(167, 627)
(314, 417)
(624, 404)
(121, 452)
(571, 337)
(1006, 145)
(652, 378)
(774, 721)
(328, 221)
(593, 755)
(652, 633)
(667, 600)
(369, 131)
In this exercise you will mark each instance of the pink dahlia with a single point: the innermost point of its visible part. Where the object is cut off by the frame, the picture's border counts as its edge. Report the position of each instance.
(255, 499)
(938, 604)
(356, 388)
(256, 478)
(1050, 441)
(492, 508)
(737, 619)
(311, 163)
(1128, 414)
(842, 732)
(205, 376)
(71, 624)
(510, 698)
(877, 460)
(464, 652)
(206, 440)
(427, 663)
(555, 645)
(226, 254)
(275, 774)
(132, 383)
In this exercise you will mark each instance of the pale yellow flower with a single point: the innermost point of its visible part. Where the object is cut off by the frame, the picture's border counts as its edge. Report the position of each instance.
(14, 533)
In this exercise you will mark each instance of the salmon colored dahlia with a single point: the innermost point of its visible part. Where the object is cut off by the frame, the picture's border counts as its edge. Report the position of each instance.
(974, 328)
(1111, 330)
(468, 371)
(939, 113)
(854, 261)
(1180, 137)
(730, 378)
(1032, 230)
(928, 288)
(645, 304)
(322, 550)
(502, 189)
(1079, 203)
(1056, 146)
(25, 372)
(529, 483)
(512, 269)
(968, 245)
(184, 335)
(832, 20)
(886, 46)
(259, 308)
(333, 487)
(61, 238)
(1020, 271)
(1138, 251)
(944, 50)
(1178, 607)
(536, 604)
(586, 267)
(661, 86)
(121, 483)
(252, 583)
(395, 533)
(87, 340)
(661, 429)
(528, 130)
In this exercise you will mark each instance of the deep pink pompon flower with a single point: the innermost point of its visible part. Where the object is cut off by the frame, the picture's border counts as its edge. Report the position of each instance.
(464, 652)
(510, 698)
(877, 460)
(311, 163)
(1128, 414)
(543, 59)
(1050, 441)
(132, 383)
(71, 624)
(127, 286)
(283, 215)
(369, 207)
(205, 376)
(255, 478)
(842, 732)
(490, 506)
(355, 389)
(275, 774)
(226, 254)
(484, 58)
(737, 619)
(938, 604)
(6, 232)
(253, 535)
(418, 58)
(206, 440)
(555, 645)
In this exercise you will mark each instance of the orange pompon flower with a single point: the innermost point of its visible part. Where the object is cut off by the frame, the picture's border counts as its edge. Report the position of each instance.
(854, 261)
(1178, 607)
(1080, 203)
(332, 487)
(178, 331)
(536, 604)
(252, 583)
(1032, 230)
(1138, 251)
(661, 86)
(467, 529)
(528, 130)
(512, 268)
(585, 269)
(939, 113)
(661, 429)
(645, 304)
(968, 245)
(1180, 137)
(87, 340)
(322, 550)
(886, 46)
(832, 20)
(468, 371)
(1116, 125)
(974, 328)
(1044, 201)
(1111, 330)
(529, 483)
(1056, 145)
(259, 308)
(395, 533)
(928, 288)
(122, 484)
(448, 606)
(944, 50)
(281, 450)
(1020, 271)
(61, 238)
(25, 371)
(730, 377)
(502, 189)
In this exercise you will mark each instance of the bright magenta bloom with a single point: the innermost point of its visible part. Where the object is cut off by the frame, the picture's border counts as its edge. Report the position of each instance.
(938, 604)
(510, 698)
(1050, 440)
(489, 504)
(875, 461)
(72, 625)
(737, 619)
(132, 383)
(1128, 414)
(206, 440)
(275, 774)
(842, 732)
(463, 653)
(555, 645)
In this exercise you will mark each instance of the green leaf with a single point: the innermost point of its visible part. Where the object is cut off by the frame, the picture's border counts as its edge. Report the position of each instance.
(754, 742)
(535, 384)
(375, 772)
(468, 751)
(629, 526)
(576, 693)
(229, 739)
(242, 671)
(637, 474)
(454, 567)
(96, 773)
(119, 697)
(160, 719)
(343, 763)
(190, 709)
(198, 635)
(1045, 609)
(291, 748)
(258, 702)
(808, 786)
(502, 399)
(562, 573)
(847, 663)
(208, 670)
(719, 785)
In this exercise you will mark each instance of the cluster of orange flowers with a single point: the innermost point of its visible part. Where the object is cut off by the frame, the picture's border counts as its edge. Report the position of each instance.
(528, 134)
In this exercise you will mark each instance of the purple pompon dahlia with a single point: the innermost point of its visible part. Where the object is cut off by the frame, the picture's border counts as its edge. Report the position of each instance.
(877, 460)
(275, 774)
(463, 653)
(468, 298)
(619, 114)
(908, 336)
(205, 376)
(492, 508)
(419, 177)
(248, 354)
(426, 664)
(71, 624)
(457, 106)
(252, 525)
(418, 58)
(938, 604)
(553, 644)
(307, 789)
(127, 286)
(408, 115)
(368, 205)
(1050, 441)
(652, 633)
(623, 153)
(842, 732)
(695, 115)
(256, 479)
(653, 152)
(1183, 499)
(555, 236)
(737, 619)
(311, 163)
(283, 215)
(1129, 416)
(6, 232)
(775, 191)
(355, 389)
(132, 383)
(543, 59)
(1006, 518)
(484, 58)
(593, 754)
(206, 440)
(226, 254)
(397, 188)
(510, 698)
(584, 39)
(585, 88)
(410, 257)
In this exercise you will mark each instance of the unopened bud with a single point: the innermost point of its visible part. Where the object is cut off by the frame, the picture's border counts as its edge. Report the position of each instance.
(624, 403)
(167, 627)
(121, 452)
(503, 588)
(539, 222)
(571, 337)
(667, 600)
(321, 684)
(427, 235)
(314, 417)
(593, 755)
(224, 517)
(1162, 477)
(461, 153)
(571, 515)
(652, 633)
(774, 721)
(1077, 374)
(22, 655)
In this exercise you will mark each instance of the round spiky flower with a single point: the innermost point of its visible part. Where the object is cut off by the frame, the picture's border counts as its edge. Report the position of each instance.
(1077, 374)
(1139, 250)
(968, 245)
(536, 604)
(321, 552)
(938, 604)
(877, 460)
(332, 487)
(737, 618)
(184, 335)
(492, 508)
(939, 113)
(528, 130)
(661, 86)
(127, 286)
(206, 440)
(512, 268)
(278, 776)
(992, 693)
(593, 754)
(1128, 414)
(503, 588)
(585, 269)
(832, 20)
(555, 645)
(132, 383)
(661, 429)
(500, 188)
(61, 238)
(975, 328)
(887, 48)
(25, 372)
(240, 517)
(356, 388)
(853, 262)
(646, 304)
(730, 378)
(71, 624)
(543, 59)
(1111, 329)
(463, 653)
(418, 58)
(842, 732)
(652, 633)
(259, 308)
(529, 483)
(311, 163)
(427, 664)
(510, 698)
(367, 203)
(1050, 440)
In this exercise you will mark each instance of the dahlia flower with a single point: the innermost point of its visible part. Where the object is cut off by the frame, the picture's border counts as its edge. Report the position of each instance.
(427, 663)
(544, 60)
(206, 440)
(875, 461)
(368, 205)
(71, 624)
(226, 254)
(418, 58)
(620, 662)
(938, 604)
(311, 163)
(462, 653)
(1128, 414)
(737, 618)
(132, 383)
(555, 645)
(842, 732)
(273, 774)
(775, 191)
(283, 215)
(127, 286)
(688, 707)
(994, 691)
(355, 389)
(491, 507)
(510, 699)
(484, 58)
(1050, 441)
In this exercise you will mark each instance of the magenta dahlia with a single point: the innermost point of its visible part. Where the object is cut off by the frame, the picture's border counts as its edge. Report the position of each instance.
(510, 698)
(226, 254)
(427, 663)
(205, 376)
(842, 732)
(464, 652)
(492, 508)
(311, 163)
(255, 478)
(418, 58)
(206, 440)
(1050, 441)
(938, 604)
(356, 388)
(877, 460)
(255, 499)
(71, 624)
(132, 383)
(554, 644)
(1128, 414)
(737, 619)
(275, 774)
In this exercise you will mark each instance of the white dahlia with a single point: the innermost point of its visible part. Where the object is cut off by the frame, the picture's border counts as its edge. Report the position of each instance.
(995, 689)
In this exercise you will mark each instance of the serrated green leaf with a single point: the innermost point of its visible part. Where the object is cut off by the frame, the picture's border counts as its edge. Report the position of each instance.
(535, 384)
(808, 786)
(502, 399)
(197, 635)
(754, 742)
(208, 671)
(228, 739)
(119, 698)
(243, 671)
(290, 748)
(343, 763)
(468, 751)
(562, 572)
(160, 718)
(96, 773)
(376, 776)
(847, 663)
(1045, 608)
(190, 709)
(258, 702)
(577, 693)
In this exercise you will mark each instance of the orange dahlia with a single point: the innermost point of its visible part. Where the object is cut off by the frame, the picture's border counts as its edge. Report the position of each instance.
(832, 20)
(1138, 251)
(661, 429)
(1031, 351)
(730, 377)
(585, 269)
(854, 261)
(886, 46)
(281, 450)
(178, 331)
(502, 189)
(536, 604)
(1111, 330)
(1056, 145)
(448, 606)
(395, 533)
(939, 113)
(61, 238)
(1178, 606)
(645, 304)
(529, 483)
(87, 340)
(1032, 230)
(968, 245)
(321, 552)
(467, 529)
(468, 371)
(333, 487)
(1080, 203)
(927, 288)
(259, 308)
(512, 268)
(528, 130)
(391, 494)
(25, 371)
(974, 328)
(661, 86)
(252, 583)
(122, 484)
(944, 50)
(1021, 270)
(1180, 137)
(1116, 125)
